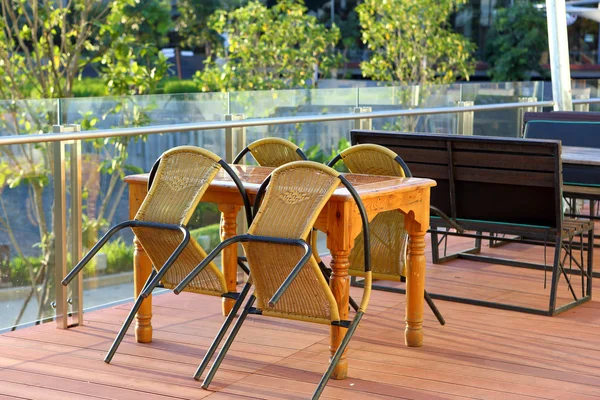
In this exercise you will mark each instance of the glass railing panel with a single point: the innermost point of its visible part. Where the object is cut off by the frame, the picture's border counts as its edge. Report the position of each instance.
(126, 111)
(109, 277)
(26, 203)
(318, 139)
(411, 97)
(583, 89)
(297, 102)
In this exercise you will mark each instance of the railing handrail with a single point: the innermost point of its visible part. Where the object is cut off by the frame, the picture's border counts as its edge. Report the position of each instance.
(212, 125)
(586, 101)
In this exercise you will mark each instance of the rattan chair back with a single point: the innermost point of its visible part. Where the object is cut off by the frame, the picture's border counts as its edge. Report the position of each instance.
(389, 237)
(180, 179)
(296, 194)
(273, 152)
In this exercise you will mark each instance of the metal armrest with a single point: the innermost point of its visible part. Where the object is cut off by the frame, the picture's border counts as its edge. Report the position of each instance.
(163, 270)
(127, 224)
(238, 239)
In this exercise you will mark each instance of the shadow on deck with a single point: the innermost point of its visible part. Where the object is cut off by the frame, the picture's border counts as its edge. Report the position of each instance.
(481, 353)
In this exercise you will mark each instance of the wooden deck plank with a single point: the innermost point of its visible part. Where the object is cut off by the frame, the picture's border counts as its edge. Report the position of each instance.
(31, 391)
(481, 353)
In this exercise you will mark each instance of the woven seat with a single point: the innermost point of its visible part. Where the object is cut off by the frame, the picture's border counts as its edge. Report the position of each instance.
(389, 237)
(177, 182)
(287, 279)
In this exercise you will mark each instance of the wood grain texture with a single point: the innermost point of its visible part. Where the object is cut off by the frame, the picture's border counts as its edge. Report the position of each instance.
(230, 254)
(142, 268)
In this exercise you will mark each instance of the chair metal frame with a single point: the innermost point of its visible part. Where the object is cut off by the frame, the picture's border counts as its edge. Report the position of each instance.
(408, 174)
(249, 309)
(155, 277)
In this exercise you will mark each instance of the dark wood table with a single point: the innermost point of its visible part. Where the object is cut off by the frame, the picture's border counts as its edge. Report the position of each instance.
(581, 172)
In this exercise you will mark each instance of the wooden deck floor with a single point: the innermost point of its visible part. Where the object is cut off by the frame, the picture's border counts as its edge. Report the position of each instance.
(481, 353)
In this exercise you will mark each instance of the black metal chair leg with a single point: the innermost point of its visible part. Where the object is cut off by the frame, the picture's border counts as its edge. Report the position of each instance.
(337, 355)
(555, 276)
(353, 304)
(228, 342)
(435, 249)
(430, 303)
(434, 308)
(128, 321)
(590, 261)
(222, 331)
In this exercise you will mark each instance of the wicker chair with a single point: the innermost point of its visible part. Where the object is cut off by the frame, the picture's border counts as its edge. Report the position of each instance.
(182, 173)
(272, 152)
(275, 152)
(389, 238)
(288, 282)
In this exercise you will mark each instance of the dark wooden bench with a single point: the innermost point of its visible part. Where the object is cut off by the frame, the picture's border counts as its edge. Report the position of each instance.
(496, 186)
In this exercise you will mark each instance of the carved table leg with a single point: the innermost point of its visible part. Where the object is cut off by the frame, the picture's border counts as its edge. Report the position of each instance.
(142, 268)
(230, 254)
(340, 286)
(415, 285)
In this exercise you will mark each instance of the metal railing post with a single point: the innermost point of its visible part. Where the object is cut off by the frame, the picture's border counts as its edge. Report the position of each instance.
(363, 123)
(235, 138)
(62, 298)
(235, 141)
(76, 229)
(465, 119)
(581, 106)
(521, 113)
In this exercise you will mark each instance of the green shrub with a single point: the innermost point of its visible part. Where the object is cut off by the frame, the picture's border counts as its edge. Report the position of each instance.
(119, 256)
(180, 86)
(89, 87)
(204, 214)
(19, 270)
(212, 231)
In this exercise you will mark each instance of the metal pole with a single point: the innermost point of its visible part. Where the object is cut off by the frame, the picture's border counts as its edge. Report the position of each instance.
(235, 141)
(464, 120)
(521, 113)
(559, 54)
(60, 230)
(363, 123)
(583, 106)
(235, 138)
(76, 229)
(62, 300)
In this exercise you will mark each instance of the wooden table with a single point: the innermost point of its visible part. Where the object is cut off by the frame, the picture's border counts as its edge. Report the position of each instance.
(581, 155)
(581, 172)
(340, 220)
